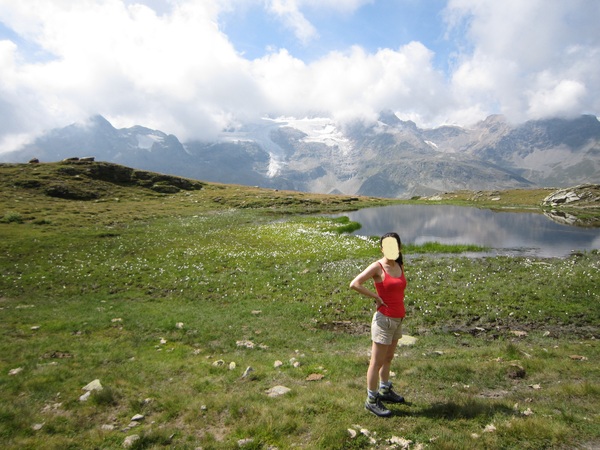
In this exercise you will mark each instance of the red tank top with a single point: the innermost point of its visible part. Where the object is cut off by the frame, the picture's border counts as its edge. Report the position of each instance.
(391, 291)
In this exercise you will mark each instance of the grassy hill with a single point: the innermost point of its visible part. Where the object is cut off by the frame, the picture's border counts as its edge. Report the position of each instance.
(191, 301)
(51, 192)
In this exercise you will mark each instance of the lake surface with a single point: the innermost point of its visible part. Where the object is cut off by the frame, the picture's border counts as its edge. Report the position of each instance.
(507, 233)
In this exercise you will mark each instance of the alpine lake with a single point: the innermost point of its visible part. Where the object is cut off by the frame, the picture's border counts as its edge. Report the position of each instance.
(503, 233)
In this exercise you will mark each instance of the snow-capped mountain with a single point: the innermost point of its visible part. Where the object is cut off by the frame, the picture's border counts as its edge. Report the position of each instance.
(389, 158)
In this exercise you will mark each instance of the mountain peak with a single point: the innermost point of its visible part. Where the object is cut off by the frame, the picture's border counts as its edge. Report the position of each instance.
(389, 118)
(98, 121)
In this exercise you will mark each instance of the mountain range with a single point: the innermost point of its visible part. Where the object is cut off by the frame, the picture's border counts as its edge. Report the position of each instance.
(388, 158)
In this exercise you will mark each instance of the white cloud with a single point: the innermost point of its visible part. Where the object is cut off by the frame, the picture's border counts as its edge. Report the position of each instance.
(352, 84)
(173, 68)
(531, 59)
(561, 97)
(288, 11)
(175, 71)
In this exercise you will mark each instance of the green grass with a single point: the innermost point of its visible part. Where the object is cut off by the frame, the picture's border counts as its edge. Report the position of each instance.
(98, 289)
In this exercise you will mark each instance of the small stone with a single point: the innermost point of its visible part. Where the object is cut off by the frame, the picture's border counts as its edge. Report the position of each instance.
(403, 443)
(578, 358)
(519, 333)
(528, 412)
(16, 371)
(35, 327)
(489, 428)
(407, 340)
(352, 433)
(218, 363)
(179, 325)
(315, 377)
(244, 442)
(107, 427)
(163, 341)
(247, 371)
(277, 364)
(232, 365)
(85, 397)
(536, 387)
(137, 418)
(130, 440)
(93, 386)
(245, 343)
(278, 391)
(37, 426)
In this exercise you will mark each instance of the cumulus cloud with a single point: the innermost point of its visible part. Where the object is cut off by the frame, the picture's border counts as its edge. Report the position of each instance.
(531, 59)
(353, 84)
(169, 66)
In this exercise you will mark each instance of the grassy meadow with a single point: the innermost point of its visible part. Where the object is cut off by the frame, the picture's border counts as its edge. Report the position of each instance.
(191, 302)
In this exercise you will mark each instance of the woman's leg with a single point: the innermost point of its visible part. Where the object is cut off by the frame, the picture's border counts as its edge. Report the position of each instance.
(373, 402)
(379, 355)
(384, 370)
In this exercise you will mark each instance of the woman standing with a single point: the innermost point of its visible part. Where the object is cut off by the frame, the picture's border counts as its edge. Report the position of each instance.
(386, 328)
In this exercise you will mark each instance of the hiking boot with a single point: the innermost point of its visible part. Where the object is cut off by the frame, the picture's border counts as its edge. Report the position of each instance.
(388, 395)
(376, 407)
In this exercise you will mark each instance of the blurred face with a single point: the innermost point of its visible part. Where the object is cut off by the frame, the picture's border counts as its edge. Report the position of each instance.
(390, 248)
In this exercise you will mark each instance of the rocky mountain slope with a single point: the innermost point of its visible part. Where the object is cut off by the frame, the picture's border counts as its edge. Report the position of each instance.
(389, 158)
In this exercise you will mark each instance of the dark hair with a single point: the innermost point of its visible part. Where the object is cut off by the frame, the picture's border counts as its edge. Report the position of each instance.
(397, 237)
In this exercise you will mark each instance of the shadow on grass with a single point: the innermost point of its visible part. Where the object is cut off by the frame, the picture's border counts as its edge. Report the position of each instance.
(454, 411)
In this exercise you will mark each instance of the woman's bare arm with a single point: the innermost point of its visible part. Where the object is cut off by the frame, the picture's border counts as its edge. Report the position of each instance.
(374, 270)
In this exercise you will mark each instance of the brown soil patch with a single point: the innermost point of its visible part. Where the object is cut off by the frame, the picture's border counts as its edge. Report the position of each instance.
(346, 326)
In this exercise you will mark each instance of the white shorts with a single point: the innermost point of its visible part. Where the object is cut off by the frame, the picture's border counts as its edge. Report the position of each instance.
(385, 329)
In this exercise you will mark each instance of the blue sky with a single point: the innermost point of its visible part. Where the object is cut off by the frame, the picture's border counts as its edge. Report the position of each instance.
(375, 25)
(195, 67)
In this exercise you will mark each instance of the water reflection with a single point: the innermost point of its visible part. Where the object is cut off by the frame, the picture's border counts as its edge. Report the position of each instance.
(507, 233)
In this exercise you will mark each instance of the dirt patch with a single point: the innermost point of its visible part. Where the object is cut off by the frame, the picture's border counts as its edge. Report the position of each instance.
(57, 354)
(496, 393)
(346, 327)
